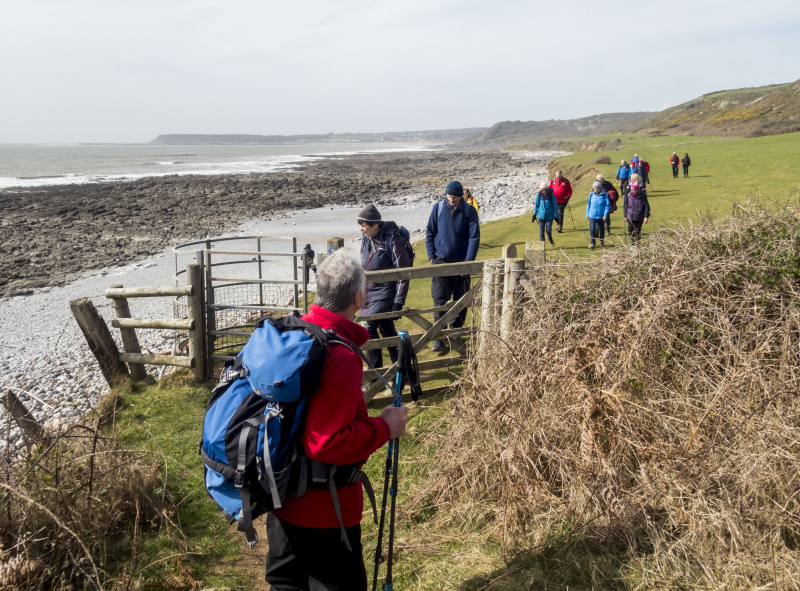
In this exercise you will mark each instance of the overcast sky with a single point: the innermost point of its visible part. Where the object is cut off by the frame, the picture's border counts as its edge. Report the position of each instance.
(126, 71)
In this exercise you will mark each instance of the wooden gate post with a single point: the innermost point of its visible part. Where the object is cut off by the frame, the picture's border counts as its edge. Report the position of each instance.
(514, 268)
(129, 341)
(194, 278)
(491, 271)
(31, 429)
(99, 339)
(534, 252)
(333, 244)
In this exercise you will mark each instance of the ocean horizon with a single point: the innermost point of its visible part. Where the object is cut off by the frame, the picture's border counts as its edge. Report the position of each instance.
(39, 165)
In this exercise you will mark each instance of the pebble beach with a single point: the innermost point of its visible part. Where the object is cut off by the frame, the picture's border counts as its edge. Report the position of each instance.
(44, 358)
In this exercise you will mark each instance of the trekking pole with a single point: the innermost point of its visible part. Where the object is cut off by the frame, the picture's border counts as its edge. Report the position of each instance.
(392, 458)
(569, 207)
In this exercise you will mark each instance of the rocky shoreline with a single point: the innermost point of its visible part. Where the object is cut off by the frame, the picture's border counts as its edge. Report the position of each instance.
(53, 234)
(63, 243)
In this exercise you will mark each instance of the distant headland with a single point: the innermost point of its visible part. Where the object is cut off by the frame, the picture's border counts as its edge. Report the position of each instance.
(438, 135)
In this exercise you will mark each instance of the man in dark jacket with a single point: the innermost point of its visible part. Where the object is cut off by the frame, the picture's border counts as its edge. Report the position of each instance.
(307, 548)
(382, 247)
(642, 169)
(452, 236)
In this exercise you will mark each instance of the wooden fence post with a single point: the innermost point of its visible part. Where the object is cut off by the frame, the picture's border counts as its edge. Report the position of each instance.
(514, 269)
(491, 271)
(333, 244)
(534, 252)
(99, 339)
(31, 429)
(510, 251)
(129, 341)
(194, 279)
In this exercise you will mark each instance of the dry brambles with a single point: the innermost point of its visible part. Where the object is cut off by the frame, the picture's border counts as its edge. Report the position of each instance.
(646, 407)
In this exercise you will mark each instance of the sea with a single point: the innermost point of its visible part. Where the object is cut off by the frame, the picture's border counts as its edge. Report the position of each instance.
(36, 165)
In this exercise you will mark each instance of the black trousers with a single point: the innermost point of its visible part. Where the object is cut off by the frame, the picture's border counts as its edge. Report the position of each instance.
(444, 288)
(635, 230)
(685, 171)
(674, 171)
(387, 329)
(310, 559)
(560, 221)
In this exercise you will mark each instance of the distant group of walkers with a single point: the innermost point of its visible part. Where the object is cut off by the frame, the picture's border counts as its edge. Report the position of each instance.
(552, 199)
(675, 162)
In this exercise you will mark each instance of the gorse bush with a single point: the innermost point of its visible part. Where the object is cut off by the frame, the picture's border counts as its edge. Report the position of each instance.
(642, 427)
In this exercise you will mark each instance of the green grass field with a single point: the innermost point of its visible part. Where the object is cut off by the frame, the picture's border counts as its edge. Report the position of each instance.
(723, 172)
(168, 416)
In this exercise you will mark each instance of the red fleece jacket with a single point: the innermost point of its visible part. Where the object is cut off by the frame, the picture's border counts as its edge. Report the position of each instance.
(338, 429)
(562, 189)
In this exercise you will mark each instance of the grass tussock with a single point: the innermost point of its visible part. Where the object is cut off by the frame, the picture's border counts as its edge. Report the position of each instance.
(69, 505)
(641, 427)
(114, 502)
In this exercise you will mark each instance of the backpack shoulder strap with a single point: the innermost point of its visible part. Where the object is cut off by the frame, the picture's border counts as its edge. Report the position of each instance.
(389, 240)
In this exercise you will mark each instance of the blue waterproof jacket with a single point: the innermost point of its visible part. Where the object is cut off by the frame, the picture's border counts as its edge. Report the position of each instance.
(598, 205)
(453, 235)
(623, 172)
(545, 207)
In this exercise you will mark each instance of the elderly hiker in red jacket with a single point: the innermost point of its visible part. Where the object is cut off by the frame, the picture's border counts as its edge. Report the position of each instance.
(306, 546)
(563, 192)
(675, 162)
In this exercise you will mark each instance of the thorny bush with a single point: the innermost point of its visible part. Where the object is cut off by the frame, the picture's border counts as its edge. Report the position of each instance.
(646, 404)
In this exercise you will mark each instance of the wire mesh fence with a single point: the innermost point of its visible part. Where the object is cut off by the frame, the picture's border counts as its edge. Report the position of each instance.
(246, 279)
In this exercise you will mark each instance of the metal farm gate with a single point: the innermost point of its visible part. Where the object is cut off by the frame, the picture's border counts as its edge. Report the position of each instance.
(245, 278)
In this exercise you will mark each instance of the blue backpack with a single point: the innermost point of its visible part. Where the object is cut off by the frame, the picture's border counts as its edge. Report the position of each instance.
(251, 432)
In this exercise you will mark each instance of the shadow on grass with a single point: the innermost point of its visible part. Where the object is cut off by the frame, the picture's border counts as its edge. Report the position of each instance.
(488, 245)
(575, 564)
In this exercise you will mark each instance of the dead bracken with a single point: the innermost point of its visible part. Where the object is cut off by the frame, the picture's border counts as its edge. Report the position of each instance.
(641, 427)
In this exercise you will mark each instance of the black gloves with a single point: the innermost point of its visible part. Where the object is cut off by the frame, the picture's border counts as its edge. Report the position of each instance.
(397, 307)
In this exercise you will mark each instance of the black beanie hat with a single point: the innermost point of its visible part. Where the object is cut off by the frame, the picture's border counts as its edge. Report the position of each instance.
(369, 214)
(454, 188)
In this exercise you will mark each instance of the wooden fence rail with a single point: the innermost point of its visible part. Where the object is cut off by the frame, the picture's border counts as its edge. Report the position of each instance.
(112, 362)
(465, 268)
(498, 292)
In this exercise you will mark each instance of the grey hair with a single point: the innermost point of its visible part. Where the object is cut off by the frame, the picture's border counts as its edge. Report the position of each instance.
(340, 278)
(559, 173)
